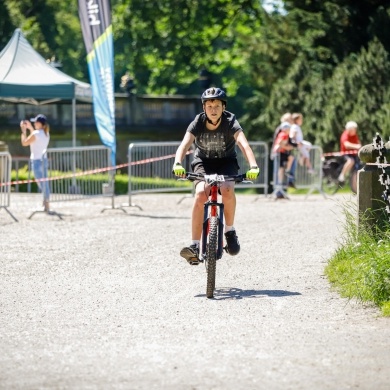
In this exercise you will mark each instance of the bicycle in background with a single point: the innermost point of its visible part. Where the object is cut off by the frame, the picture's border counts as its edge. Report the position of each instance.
(211, 248)
(331, 169)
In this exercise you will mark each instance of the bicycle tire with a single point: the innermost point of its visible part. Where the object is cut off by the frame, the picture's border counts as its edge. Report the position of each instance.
(353, 181)
(330, 185)
(211, 256)
(330, 172)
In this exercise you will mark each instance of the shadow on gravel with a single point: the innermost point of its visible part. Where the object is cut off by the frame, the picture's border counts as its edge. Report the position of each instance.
(156, 216)
(237, 293)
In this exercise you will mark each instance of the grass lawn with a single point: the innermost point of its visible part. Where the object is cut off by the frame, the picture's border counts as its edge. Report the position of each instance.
(360, 268)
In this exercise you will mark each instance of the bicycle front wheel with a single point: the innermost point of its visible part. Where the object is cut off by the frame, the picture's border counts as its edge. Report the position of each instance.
(329, 185)
(211, 256)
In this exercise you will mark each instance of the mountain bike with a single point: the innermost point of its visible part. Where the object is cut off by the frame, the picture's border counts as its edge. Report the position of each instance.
(211, 248)
(331, 169)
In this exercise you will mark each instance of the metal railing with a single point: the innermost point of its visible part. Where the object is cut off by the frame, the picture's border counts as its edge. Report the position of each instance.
(5, 179)
(261, 152)
(303, 178)
(149, 162)
(17, 163)
(150, 168)
(79, 172)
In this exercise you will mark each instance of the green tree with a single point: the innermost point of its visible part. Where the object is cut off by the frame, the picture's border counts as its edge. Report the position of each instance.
(166, 44)
(330, 60)
(358, 90)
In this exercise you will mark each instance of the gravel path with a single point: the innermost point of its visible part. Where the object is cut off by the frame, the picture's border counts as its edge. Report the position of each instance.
(103, 301)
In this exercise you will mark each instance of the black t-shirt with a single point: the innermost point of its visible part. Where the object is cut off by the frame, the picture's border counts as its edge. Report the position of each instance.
(218, 143)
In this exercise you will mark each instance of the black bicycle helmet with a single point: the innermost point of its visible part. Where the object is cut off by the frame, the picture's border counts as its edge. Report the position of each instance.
(214, 94)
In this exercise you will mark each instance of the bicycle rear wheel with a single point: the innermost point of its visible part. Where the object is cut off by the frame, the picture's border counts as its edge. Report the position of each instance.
(211, 256)
(353, 181)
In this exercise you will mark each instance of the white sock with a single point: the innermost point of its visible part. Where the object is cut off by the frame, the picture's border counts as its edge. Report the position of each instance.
(341, 177)
(195, 242)
(229, 228)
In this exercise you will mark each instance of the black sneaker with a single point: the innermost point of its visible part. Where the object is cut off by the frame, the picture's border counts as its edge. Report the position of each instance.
(191, 254)
(232, 245)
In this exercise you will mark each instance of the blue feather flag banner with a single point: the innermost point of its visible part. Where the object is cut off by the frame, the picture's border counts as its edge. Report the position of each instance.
(95, 19)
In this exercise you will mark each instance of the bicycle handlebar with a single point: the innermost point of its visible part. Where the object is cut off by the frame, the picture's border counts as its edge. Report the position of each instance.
(192, 176)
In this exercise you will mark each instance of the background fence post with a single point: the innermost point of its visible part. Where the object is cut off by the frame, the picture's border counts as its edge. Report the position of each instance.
(371, 206)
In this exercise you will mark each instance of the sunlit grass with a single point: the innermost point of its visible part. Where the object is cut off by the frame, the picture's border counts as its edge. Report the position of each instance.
(360, 268)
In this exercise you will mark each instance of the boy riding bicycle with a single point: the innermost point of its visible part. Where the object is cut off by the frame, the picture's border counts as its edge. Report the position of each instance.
(215, 133)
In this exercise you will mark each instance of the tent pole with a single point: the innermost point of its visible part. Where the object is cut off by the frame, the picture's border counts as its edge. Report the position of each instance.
(74, 144)
(73, 122)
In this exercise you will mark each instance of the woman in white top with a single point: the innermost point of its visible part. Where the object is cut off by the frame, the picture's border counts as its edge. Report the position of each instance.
(38, 140)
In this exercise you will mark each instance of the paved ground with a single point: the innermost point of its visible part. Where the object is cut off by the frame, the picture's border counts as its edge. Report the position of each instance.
(103, 301)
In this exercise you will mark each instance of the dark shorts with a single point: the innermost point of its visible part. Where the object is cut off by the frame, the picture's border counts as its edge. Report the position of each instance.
(353, 157)
(221, 166)
(283, 158)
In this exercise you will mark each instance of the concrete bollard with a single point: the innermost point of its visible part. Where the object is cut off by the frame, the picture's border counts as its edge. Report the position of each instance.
(371, 206)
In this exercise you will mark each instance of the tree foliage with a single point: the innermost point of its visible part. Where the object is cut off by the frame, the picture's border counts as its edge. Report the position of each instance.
(165, 44)
(336, 70)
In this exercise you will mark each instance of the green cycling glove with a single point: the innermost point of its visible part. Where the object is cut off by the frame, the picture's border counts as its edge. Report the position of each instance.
(178, 170)
(253, 173)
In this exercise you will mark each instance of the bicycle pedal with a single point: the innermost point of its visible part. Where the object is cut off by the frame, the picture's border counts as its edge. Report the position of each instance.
(195, 261)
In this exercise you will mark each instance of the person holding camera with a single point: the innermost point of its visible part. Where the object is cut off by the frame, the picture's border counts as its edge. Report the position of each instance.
(38, 140)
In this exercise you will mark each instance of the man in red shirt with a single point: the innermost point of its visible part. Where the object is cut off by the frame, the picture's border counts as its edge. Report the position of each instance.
(349, 142)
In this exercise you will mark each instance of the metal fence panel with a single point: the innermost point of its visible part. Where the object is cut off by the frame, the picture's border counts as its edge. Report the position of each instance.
(151, 161)
(261, 152)
(17, 163)
(5, 182)
(5, 177)
(79, 172)
(303, 178)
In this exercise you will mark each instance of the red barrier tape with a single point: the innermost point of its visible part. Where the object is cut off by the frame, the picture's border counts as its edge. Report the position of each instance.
(334, 154)
(92, 171)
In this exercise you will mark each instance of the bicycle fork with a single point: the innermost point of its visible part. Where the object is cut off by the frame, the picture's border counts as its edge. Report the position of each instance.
(213, 208)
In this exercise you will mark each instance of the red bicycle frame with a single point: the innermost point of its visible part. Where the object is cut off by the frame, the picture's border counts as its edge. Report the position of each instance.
(213, 208)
